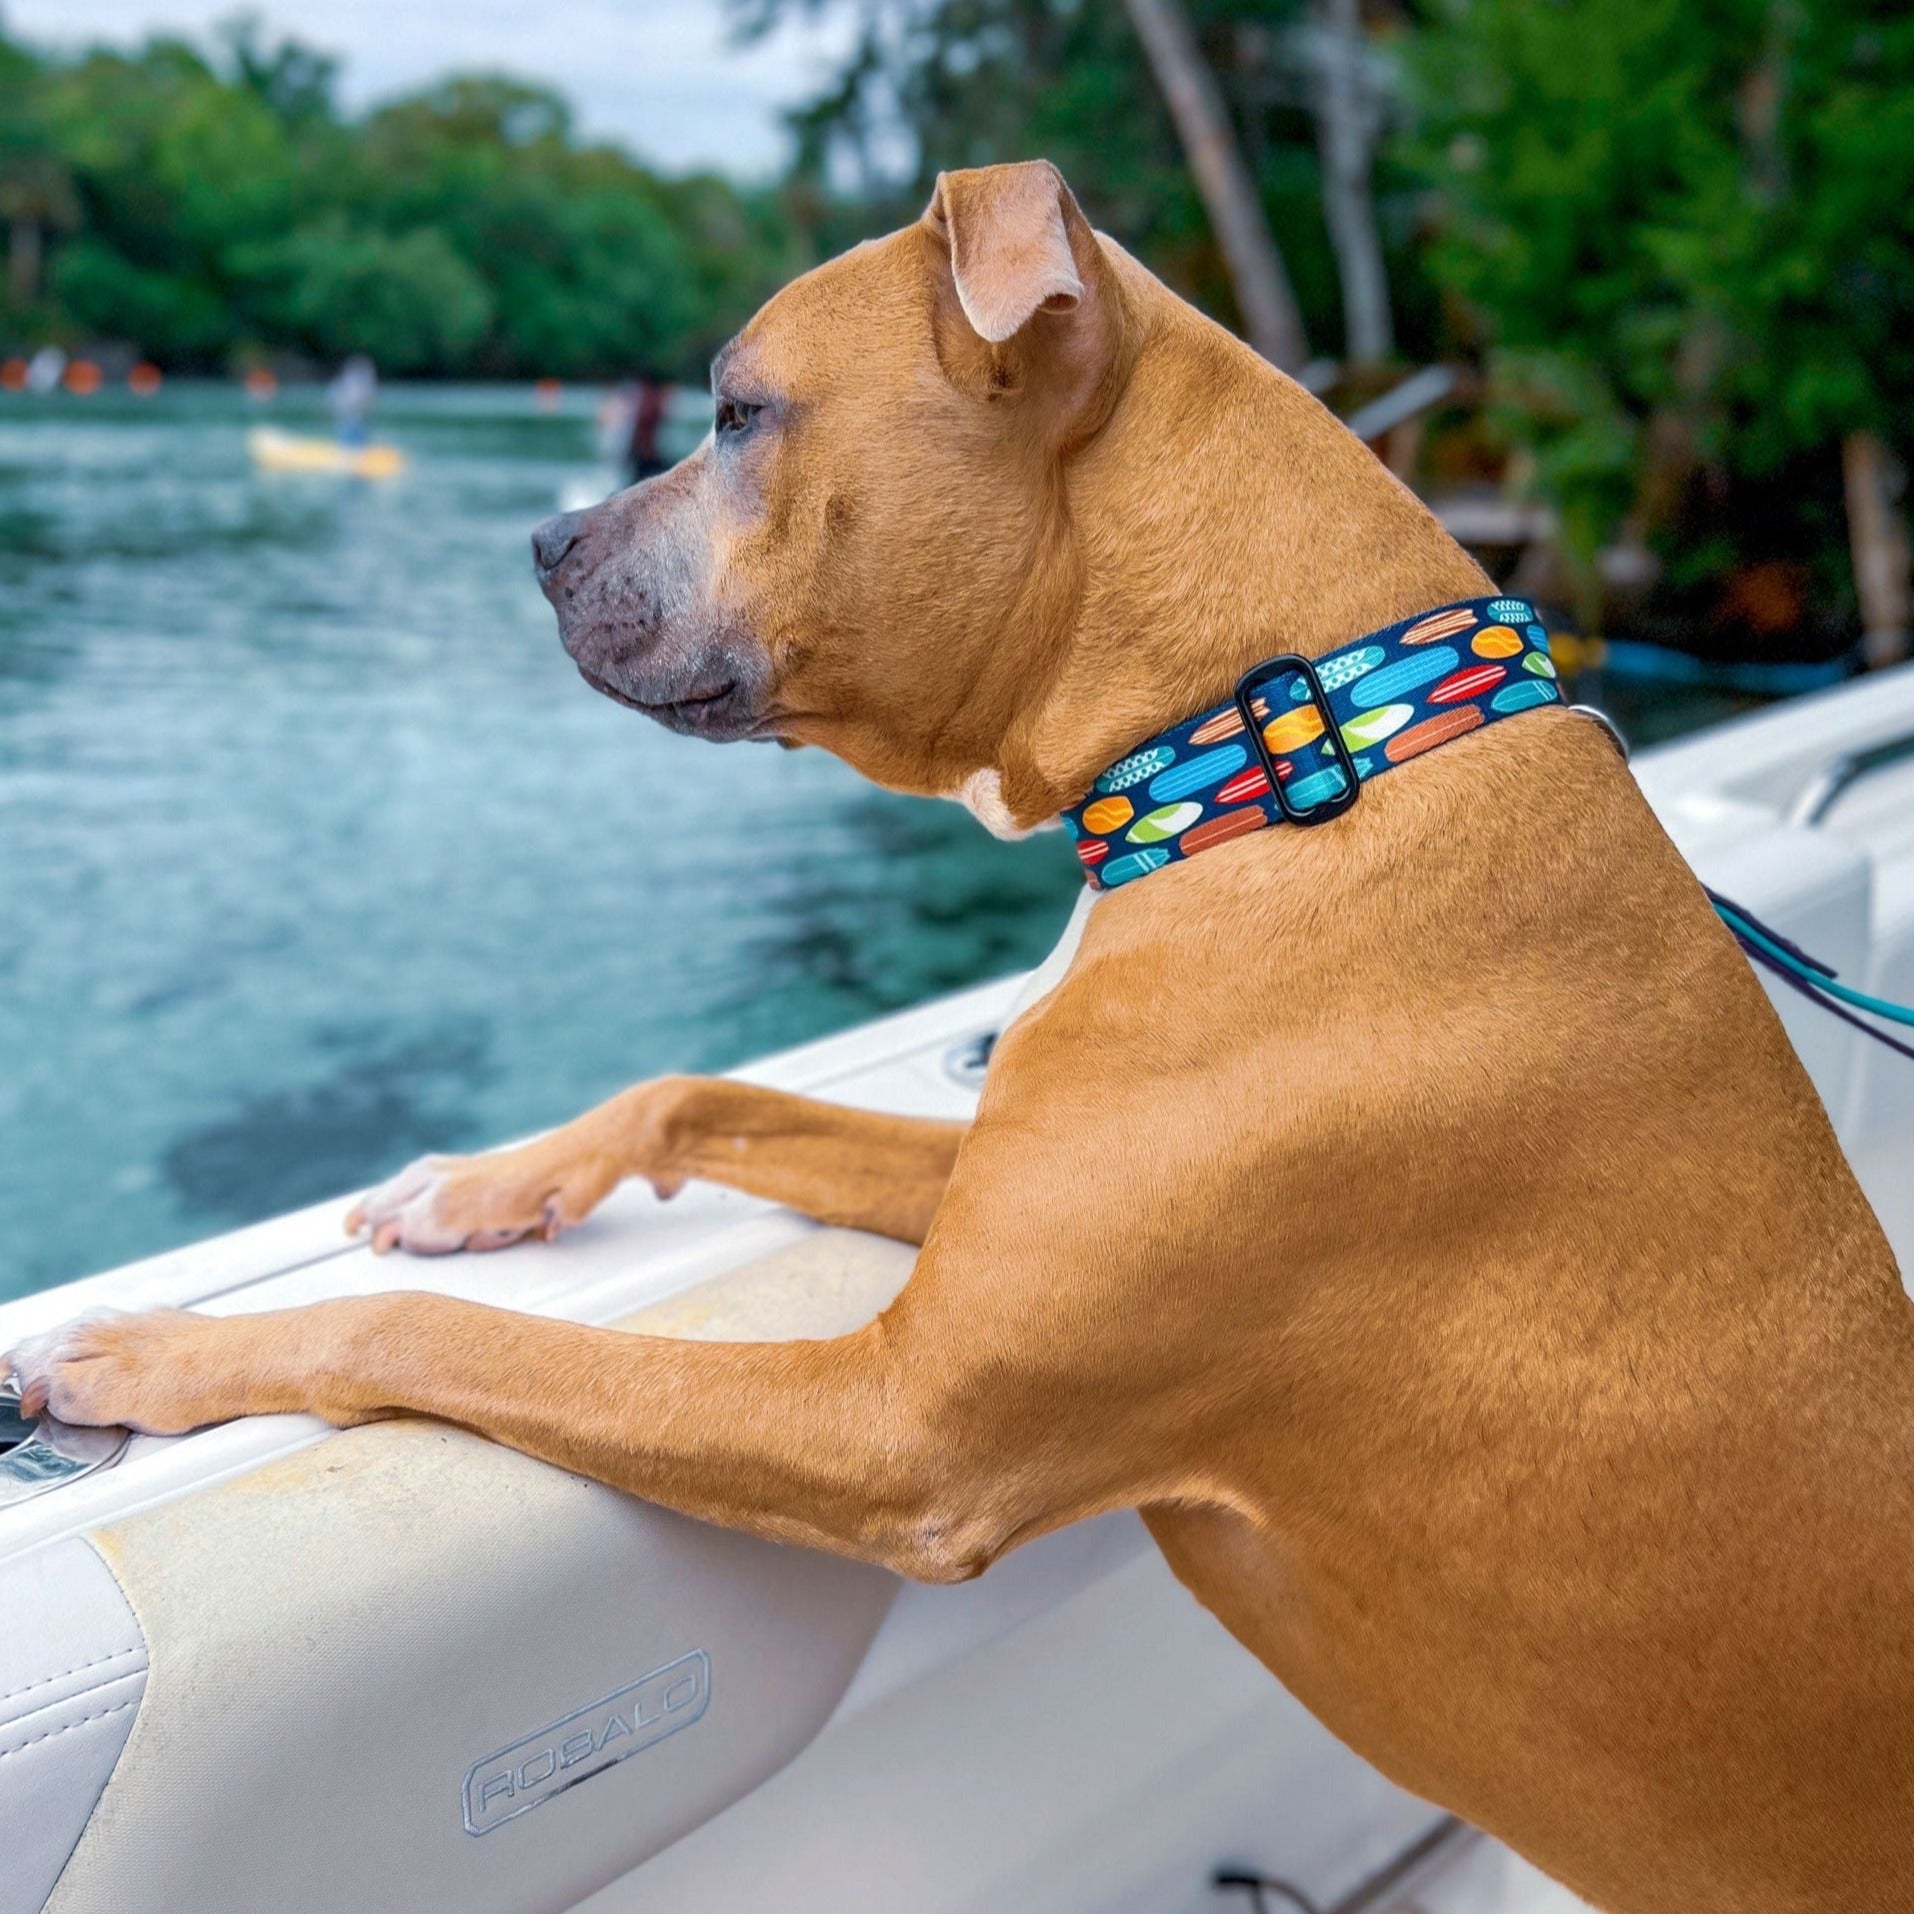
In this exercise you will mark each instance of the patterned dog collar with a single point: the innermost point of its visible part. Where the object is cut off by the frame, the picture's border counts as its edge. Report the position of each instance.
(1299, 738)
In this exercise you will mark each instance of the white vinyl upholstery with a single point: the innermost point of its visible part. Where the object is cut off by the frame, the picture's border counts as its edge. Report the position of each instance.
(72, 1670)
(351, 1646)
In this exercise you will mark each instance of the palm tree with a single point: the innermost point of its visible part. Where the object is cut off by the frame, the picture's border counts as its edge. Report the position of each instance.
(1877, 538)
(36, 196)
(1348, 106)
(1272, 320)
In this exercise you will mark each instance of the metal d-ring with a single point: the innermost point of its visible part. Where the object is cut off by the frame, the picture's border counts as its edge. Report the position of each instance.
(1607, 723)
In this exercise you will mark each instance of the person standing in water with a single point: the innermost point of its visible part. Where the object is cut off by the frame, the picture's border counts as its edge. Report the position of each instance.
(350, 398)
(643, 459)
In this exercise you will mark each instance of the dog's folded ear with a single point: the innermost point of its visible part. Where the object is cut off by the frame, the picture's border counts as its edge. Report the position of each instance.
(1010, 251)
(1012, 247)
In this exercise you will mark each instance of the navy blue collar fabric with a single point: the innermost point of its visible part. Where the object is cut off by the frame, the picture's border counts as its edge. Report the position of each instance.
(1300, 737)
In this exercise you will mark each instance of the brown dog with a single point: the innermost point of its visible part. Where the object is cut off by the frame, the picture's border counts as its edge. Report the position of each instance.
(1422, 1219)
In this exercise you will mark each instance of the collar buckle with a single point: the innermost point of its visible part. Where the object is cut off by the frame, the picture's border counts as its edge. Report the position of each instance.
(1305, 797)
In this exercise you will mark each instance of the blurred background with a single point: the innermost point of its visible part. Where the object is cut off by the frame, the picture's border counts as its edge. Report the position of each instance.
(314, 853)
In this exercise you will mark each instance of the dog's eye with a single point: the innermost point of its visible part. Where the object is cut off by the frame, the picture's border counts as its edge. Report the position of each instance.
(735, 416)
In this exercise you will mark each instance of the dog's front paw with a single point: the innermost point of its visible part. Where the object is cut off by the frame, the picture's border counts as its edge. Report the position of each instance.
(162, 1372)
(445, 1203)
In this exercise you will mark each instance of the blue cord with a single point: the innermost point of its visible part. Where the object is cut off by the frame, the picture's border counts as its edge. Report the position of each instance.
(1816, 977)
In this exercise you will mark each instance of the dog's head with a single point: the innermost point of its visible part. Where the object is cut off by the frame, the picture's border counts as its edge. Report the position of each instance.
(869, 551)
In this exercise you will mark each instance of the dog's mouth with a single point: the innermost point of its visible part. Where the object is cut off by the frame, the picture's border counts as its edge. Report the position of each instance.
(720, 710)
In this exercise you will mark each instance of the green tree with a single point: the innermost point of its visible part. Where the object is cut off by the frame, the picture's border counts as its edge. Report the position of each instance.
(935, 84)
(174, 167)
(206, 205)
(1681, 232)
(408, 299)
(587, 267)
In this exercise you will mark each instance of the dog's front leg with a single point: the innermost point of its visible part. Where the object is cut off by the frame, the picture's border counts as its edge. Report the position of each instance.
(855, 1444)
(1034, 1370)
(853, 1167)
(841, 1444)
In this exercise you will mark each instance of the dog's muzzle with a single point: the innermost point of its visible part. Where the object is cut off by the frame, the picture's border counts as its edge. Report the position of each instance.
(612, 626)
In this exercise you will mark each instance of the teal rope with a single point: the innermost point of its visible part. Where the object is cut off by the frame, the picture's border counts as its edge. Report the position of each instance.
(1819, 980)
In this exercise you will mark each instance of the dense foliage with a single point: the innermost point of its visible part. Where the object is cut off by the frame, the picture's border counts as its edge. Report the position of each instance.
(1674, 237)
(212, 209)
(1681, 232)
(935, 84)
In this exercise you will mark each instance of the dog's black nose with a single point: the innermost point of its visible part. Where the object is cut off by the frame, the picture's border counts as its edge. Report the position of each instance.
(553, 539)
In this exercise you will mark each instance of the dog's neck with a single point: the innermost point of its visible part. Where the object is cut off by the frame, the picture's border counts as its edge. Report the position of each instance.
(1321, 545)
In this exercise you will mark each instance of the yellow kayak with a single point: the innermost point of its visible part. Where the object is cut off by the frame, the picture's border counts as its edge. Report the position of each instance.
(274, 451)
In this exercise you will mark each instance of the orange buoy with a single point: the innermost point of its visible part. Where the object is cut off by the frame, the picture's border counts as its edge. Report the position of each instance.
(13, 375)
(261, 383)
(83, 378)
(144, 380)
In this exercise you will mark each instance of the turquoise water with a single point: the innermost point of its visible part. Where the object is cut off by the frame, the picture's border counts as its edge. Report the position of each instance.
(315, 853)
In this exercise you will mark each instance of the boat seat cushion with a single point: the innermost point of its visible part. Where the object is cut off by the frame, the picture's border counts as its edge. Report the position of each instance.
(352, 1645)
(72, 1671)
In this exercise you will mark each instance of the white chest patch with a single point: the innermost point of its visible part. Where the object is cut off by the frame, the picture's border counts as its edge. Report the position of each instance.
(982, 795)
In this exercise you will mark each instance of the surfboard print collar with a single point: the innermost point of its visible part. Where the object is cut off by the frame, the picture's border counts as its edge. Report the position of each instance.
(1300, 737)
